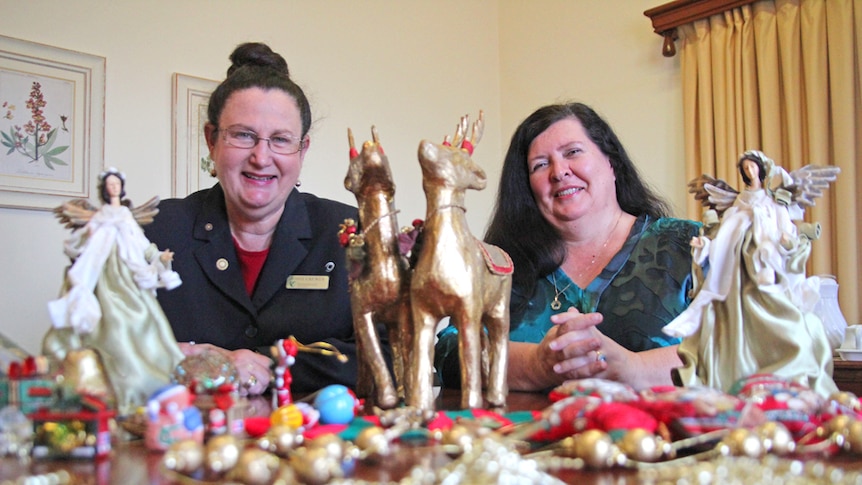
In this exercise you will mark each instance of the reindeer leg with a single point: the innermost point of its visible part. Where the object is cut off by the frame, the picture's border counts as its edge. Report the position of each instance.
(372, 355)
(498, 350)
(486, 347)
(420, 382)
(470, 349)
(397, 356)
(364, 380)
(401, 340)
(364, 384)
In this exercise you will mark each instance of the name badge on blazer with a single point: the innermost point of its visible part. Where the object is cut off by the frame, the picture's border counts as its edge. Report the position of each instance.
(307, 282)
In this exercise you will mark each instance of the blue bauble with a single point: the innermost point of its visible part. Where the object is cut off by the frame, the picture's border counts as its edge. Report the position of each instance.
(330, 391)
(336, 405)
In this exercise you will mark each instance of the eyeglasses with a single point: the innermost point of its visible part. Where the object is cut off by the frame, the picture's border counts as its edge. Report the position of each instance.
(281, 144)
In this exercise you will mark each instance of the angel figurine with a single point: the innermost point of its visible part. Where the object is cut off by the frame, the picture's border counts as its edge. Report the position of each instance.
(109, 295)
(753, 310)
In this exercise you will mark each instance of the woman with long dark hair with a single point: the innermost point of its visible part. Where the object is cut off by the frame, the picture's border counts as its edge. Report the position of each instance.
(600, 268)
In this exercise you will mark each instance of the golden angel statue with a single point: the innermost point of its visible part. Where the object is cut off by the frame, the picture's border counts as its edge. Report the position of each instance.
(753, 310)
(109, 301)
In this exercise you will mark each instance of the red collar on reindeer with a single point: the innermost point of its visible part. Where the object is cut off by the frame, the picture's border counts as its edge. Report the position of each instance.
(497, 260)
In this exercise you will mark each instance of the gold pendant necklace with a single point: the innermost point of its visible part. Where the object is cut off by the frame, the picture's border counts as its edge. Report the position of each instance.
(556, 305)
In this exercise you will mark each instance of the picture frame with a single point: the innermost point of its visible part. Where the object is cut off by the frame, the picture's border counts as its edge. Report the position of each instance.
(191, 166)
(52, 124)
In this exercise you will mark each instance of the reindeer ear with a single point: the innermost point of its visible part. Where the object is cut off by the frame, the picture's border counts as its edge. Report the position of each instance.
(427, 151)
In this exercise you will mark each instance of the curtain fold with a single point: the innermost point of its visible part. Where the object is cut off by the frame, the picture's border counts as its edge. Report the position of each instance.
(783, 77)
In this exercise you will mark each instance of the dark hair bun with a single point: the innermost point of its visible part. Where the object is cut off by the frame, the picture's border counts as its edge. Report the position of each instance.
(257, 54)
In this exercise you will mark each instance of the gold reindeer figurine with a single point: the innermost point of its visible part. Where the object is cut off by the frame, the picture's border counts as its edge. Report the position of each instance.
(458, 276)
(379, 276)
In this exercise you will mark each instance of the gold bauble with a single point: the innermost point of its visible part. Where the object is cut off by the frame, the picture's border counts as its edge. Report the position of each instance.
(222, 453)
(255, 467)
(373, 442)
(315, 466)
(286, 475)
(776, 438)
(846, 399)
(743, 442)
(184, 456)
(854, 437)
(458, 437)
(84, 371)
(839, 424)
(593, 446)
(280, 440)
(641, 445)
(566, 447)
(331, 443)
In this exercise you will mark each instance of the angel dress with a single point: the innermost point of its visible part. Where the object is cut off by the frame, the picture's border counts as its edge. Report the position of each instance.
(110, 304)
(754, 311)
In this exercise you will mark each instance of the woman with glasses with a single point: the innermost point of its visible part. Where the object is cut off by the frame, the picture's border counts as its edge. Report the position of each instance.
(260, 260)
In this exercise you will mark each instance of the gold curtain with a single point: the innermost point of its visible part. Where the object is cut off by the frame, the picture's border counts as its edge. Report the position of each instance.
(784, 77)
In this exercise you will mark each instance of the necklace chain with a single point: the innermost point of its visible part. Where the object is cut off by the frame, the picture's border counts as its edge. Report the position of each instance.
(556, 305)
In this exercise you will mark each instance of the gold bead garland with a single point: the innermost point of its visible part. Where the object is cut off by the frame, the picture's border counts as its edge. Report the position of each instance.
(742, 455)
(751, 471)
(61, 477)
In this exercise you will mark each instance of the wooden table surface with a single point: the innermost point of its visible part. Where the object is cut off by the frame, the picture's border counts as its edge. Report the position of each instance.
(131, 463)
(847, 375)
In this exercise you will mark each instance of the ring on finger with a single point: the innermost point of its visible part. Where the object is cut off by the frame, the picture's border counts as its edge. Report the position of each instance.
(600, 357)
(252, 380)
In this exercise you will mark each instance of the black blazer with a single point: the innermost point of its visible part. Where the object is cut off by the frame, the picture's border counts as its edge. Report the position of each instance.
(212, 304)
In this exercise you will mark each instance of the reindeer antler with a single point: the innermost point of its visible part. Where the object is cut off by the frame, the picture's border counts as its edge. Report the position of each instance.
(376, 138)
(475, 135)
(467, 144)
(353, 152)
(461, 129)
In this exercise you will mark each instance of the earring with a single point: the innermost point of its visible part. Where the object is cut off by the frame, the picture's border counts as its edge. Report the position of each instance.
(207, 165)
(298, 183)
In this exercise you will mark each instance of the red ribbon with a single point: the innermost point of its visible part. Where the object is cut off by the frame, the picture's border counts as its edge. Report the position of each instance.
(467, 146)
(27, 368)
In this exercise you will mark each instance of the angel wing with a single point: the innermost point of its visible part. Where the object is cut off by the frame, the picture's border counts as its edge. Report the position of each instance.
(145, 212)
(75, 213)
(712, 192)
(809, 182)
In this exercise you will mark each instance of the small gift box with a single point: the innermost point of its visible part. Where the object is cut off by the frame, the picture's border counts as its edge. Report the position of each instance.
(27, 385)
(81, 431)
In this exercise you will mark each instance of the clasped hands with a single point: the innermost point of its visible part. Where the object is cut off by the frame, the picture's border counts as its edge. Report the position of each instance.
(254, 368)
(575, 349)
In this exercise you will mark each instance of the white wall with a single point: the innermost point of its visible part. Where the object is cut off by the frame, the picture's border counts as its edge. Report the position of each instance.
(410, 68)
(605, 54)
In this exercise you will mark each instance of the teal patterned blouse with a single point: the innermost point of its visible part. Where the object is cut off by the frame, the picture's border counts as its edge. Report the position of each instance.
(643, 288)
(657, 255)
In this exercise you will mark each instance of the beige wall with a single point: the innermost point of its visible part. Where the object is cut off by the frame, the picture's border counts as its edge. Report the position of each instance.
(411, 68)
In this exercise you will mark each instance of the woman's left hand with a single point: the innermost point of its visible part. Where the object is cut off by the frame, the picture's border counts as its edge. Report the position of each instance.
(253, 368)
(578, 345)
